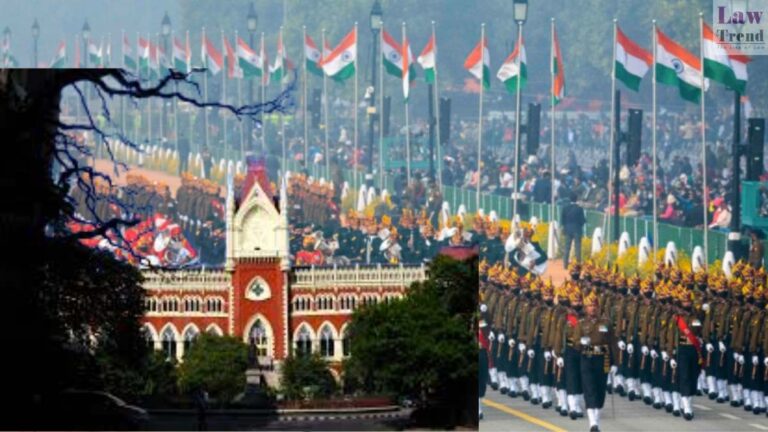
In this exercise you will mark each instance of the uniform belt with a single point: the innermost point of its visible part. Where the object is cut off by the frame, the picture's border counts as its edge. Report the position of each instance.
(684, 342)
(595, 350)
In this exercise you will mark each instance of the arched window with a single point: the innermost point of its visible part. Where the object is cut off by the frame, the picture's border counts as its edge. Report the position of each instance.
(259, 338)
(345, 343)
(169, 343)
(147, 333)
(303, 342)
(326, 342)
(190, 334)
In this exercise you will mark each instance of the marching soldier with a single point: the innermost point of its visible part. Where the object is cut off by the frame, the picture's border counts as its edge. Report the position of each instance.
(595, 341)
(751, 369)
(714, 333)
(566, 349)
(645, 321)
(684, 347)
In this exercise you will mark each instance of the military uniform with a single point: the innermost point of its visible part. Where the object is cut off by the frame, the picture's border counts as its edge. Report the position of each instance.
(595, 344)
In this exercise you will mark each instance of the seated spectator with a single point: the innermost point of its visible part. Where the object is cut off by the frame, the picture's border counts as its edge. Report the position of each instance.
(722, 217)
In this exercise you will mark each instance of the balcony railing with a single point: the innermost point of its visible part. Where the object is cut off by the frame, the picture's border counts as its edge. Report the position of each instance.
(358, 276)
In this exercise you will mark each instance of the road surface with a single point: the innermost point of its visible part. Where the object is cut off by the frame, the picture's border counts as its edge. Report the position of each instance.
(503, 413)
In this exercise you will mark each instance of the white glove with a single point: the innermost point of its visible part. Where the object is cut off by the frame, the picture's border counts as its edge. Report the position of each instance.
(622, 345)
(561, 363)
(630, 349)
(735, 356)
(501, 337)
(765, 361)
(673, 364)
(521, 347)
(755, 360)
(710, 348)
(721, 345)
(511, 343)
(741, 359)
(664, 356)
(548, 356)
(654, 354)
(585, 340)
(531, 353)
(705, 307)
(614, 369)
(491, 337)
(644, 350)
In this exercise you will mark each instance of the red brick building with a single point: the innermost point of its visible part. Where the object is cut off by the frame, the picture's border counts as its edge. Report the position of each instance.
(259, 297)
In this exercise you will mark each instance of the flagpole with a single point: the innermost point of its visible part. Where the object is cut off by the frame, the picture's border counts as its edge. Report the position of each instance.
(515, 186)
(122, 99)
(381, 110)
(407, 125)
(175, 105)
(611, 141)
(137, 109)
(354, 157)
(162, 102)
(223, 99)
(325, 113)
(264, 77)
(188, 58)
(205, 91)
(281, 53)
(653, 134)
(480, 117)
(551, 119)
(703, 141)
(239, 101)
(437, 116)
(306, 123)
(149, 101)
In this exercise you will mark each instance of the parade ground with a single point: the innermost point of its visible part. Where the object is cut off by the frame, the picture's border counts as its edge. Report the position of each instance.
(502, 413)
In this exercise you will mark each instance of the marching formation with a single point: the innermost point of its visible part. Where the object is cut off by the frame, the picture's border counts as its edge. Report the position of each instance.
(660, 340)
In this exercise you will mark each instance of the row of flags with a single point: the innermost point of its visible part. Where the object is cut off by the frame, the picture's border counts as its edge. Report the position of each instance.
(675, 66)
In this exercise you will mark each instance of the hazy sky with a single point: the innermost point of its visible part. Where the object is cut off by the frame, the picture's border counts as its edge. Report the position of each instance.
(61, 19)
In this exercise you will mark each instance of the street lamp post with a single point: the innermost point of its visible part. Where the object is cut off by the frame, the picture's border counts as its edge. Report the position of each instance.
(35, 36)
(376, 24)
(6, 43)
(252, 20)
(520, 14)
(165, 31)
(86, 36)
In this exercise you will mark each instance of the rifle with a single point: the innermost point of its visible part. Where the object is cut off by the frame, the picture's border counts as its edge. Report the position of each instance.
(709, 357)
(634, 331)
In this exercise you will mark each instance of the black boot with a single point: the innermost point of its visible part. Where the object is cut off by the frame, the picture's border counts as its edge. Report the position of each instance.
(668, 408)
(688, 416)
(648, 400)
(512, 394)
(712, 396)
(574, 416)
(526, 395)
(676, 413)
(503, 390)
(658, 405)
(594, 429)
(546, 405)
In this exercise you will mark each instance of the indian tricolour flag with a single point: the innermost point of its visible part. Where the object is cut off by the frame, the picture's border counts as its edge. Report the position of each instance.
(129, 61)
(391, 54)
(509, 72)
(250, 63)
(340, 63)
(277, 70)
(427, 60)
(313, 56)
(632, 62)
(143, 57)
(212, 58)
(558, 71)
(59, 60)
(678, 67)
(233, 70)
(181, 56)
(723, 63)
(478, 63)
(95, 56)
(408, 68)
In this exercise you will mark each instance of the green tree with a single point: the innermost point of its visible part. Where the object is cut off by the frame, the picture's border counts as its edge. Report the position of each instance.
(421, 346)
(306, 377)
(216, 364)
